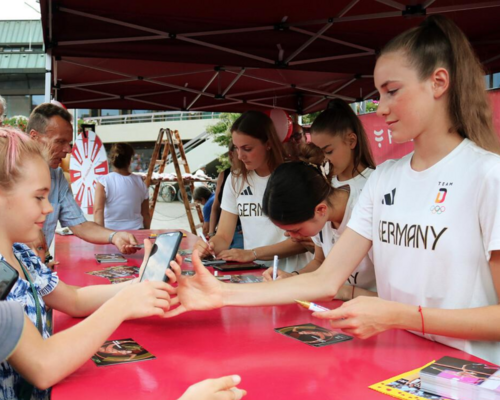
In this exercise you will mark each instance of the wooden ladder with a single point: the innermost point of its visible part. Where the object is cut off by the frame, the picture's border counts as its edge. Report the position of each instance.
(171, 143)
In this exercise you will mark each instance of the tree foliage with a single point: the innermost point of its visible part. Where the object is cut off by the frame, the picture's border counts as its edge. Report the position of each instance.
(221, 133)
(19, 122)
(308, 119)
(371, 106)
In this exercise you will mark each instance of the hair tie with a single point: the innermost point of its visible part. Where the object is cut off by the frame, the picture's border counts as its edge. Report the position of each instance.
(323, 169)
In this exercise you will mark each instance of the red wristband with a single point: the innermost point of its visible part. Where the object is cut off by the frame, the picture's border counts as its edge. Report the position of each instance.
(422, 315)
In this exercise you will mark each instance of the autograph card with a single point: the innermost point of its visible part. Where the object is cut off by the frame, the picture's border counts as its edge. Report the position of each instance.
(313, 335)
(114, 274)
(110, 258)
(246, 279)
(123, 270)
(114, 281)
(102, 273)
(120, 352)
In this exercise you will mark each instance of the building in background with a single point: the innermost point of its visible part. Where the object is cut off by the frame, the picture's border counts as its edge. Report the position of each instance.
(22, 66)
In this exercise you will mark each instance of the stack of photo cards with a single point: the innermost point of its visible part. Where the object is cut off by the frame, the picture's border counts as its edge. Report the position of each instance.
(117, 274)
(463, 379)
(406, 386)
(246, 279)
(110, 258)
(313, 335)
(120, 351)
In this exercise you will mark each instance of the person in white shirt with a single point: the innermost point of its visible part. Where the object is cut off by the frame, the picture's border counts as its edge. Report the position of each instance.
(339, 133)
(259, 153)
(433, 217)
(121, 198)
(316, 210)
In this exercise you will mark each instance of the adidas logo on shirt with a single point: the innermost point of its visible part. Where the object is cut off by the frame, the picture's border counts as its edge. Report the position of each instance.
(247, 192)
(389, 198)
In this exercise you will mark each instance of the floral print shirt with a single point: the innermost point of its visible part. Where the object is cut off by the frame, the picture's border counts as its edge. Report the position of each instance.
(45, 281)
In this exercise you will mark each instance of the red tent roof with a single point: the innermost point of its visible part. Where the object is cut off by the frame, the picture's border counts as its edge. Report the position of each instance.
(227, 56)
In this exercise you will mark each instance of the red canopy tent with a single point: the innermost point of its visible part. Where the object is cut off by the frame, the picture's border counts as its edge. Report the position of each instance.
(224, 56)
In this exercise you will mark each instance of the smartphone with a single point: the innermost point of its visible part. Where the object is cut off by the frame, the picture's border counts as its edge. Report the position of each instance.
(8, 277)
(164, 250)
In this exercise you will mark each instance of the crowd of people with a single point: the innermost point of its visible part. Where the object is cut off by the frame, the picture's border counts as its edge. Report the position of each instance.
(342, 227)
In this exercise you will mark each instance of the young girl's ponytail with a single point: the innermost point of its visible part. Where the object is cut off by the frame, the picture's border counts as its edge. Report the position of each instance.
(340, 119)
(436, 43)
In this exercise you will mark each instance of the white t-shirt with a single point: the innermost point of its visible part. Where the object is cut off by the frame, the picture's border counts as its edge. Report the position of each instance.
(433, 233)
(364, 275)
(258, 230)
(124, 196)
(356, 184)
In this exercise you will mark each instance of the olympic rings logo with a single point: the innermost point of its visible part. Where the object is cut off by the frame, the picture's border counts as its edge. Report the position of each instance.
(438, 209)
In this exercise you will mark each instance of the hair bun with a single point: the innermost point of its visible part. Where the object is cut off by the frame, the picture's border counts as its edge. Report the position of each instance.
(336, 104)
(311, 154)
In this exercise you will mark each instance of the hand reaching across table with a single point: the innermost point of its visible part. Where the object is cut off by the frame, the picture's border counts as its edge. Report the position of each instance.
(202, 291)
(215, 389)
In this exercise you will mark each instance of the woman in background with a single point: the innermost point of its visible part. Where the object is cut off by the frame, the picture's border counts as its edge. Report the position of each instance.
(121, 198)
(259, 153)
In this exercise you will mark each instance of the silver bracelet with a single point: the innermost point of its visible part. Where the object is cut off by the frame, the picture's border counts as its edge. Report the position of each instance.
(254, 254)
(111, 235)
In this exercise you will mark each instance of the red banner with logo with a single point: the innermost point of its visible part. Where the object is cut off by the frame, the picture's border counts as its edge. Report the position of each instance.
(380, 138)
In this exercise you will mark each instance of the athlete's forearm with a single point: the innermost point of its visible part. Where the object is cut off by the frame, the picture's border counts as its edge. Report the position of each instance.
(283, 249)
(308, 287)
(311, 266)
(482, 323)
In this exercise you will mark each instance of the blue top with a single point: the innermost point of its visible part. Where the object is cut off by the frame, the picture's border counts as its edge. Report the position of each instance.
(45, 281)
(207, 208)
(65, 208)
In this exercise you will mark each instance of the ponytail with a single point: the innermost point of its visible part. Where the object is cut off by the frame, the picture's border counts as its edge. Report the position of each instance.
(438, 42)
(340, 119)
(121, 155)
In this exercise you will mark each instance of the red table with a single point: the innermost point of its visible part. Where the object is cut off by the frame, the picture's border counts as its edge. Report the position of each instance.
(240, 340)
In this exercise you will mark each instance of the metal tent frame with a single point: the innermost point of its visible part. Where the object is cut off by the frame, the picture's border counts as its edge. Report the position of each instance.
(259, 56)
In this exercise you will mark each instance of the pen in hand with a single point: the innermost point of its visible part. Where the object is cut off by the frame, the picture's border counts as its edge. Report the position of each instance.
(202, 236)
(275, 268)
(311, 306)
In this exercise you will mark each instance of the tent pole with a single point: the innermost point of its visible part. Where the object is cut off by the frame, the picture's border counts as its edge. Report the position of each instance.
(48, 77)
(204, 89)
(315, 60)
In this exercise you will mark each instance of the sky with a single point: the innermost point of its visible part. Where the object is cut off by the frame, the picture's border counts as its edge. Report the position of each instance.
(19, 9)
